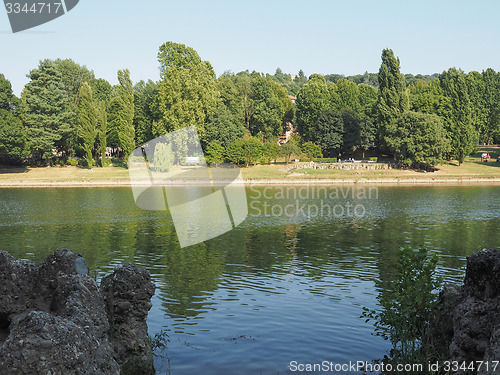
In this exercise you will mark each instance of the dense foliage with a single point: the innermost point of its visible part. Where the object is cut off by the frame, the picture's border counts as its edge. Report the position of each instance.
(408, 304)
(420, 120)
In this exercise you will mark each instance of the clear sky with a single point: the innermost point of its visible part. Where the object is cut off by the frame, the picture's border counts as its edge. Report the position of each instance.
(344, 37)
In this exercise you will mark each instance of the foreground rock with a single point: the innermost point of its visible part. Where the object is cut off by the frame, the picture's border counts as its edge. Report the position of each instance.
(467, 324)
(54, 318)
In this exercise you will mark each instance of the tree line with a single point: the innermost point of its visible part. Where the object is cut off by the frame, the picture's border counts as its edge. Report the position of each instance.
(65, 111)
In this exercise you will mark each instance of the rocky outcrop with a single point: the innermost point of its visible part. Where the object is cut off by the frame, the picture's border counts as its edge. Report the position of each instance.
(127, 309)
(54, 318)
(467, 323)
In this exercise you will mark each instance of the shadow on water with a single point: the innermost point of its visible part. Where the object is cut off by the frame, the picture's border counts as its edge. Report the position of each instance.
(293, 284)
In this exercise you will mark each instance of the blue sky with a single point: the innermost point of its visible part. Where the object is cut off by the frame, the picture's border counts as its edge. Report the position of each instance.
(344, 37)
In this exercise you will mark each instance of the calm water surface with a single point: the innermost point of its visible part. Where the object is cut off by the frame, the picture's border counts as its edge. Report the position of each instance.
(287, 285)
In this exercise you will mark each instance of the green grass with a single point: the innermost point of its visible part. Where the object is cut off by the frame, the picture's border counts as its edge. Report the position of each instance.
(471, 168)
(62, 174)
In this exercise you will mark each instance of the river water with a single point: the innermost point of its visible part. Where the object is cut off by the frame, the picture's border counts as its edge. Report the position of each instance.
(284, 288)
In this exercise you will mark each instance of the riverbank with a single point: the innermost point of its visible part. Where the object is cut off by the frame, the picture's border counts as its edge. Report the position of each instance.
(284, 181)
(471, 171)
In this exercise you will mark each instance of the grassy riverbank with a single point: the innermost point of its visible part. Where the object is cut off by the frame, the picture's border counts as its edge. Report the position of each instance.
(471, 170)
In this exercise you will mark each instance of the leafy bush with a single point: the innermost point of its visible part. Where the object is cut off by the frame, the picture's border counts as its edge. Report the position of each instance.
(72, 162)
(215, 153)
(82, 163)
(271, 152)
(252, 151)
(234, 152)
(290, 148)
(311, 150)
(408, 304)
(245, 151)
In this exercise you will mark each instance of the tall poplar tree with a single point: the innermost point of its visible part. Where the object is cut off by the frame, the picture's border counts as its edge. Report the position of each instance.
(393, 98)
(121, 114)
(458, 116)
(87, 121)
(126, 133)
(102, 130)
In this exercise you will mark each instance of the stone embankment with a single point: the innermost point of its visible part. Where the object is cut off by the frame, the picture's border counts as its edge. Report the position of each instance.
(344, 166)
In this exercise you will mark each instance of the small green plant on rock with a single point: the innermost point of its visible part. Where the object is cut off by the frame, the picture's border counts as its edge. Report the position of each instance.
(408, 303)
(159, 340)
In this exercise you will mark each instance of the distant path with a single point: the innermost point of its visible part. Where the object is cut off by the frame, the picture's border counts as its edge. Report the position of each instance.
(339, 181)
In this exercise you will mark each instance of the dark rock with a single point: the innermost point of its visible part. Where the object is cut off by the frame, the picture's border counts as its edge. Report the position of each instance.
(127, 311)
(441, 328)
(54, 318)
(467, 323)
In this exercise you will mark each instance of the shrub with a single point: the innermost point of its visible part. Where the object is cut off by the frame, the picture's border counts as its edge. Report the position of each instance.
(271, 152)
(290, 148)
(311, 150)
(234, 152)
(82, 163)
(252, 151)
(245, 151)
(215, 153)
(408, 304)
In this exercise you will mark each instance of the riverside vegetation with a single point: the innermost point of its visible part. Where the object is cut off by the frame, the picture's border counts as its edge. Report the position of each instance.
(418, 120)
(408, 306)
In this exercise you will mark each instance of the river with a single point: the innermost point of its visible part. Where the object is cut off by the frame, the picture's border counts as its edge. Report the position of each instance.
(286, 287)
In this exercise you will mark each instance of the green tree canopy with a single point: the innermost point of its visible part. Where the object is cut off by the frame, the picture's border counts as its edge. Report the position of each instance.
(359, 132)
(393, 98)
(187, 93)
(45, 109)
(348, 96)
(221, 127)
(12, 138)
(458, 115)
(418, 139)
(329, 132)
(289, 149)
(102, 130)
(121, 115)
(87, 121)
(144, 94)
(312, 101)
(163, 157)
(101, 90)
(72, 77)
(215, 153)
(269, 101)
(8, 100)
(311, 150)
(271, 151)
